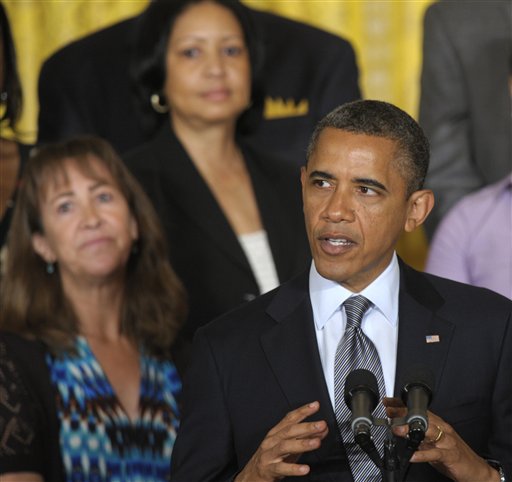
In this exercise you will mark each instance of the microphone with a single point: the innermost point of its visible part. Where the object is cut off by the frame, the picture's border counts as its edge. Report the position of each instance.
(362, 396)
(417, 395)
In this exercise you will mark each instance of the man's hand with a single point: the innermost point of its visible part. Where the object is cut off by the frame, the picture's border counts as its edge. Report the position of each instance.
(443, 448)
(283, 445)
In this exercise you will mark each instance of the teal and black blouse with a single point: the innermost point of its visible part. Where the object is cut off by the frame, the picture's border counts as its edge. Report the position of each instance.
(98, 441)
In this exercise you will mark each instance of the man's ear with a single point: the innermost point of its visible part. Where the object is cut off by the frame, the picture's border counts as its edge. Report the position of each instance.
(42, 248)
(303, 176)
(303, 179)
(420, 204)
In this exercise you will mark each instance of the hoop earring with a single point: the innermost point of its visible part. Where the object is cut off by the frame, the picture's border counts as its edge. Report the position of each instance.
(158, 103)
(50, 267)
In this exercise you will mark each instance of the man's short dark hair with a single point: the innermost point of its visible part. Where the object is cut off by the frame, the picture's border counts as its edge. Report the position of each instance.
(381, 119)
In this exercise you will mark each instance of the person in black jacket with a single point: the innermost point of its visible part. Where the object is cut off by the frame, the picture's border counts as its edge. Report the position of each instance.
(87, 86)
(231, 214)
(262, 399)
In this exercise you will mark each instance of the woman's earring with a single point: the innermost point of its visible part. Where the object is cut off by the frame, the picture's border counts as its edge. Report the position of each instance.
(159, 104)
(50, 267)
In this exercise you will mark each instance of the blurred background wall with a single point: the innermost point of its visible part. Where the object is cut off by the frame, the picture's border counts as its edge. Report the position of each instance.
(386, 35)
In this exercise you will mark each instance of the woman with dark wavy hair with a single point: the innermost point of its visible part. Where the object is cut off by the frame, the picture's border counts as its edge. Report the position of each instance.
(90, 308)
(232, 213)
(13, 152)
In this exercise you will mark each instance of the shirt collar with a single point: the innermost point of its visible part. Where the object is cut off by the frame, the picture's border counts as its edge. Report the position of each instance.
(327, 296)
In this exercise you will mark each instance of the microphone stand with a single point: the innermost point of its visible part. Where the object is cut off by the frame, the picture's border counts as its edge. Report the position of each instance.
(391, 465)
(414, 438)
(364, 440)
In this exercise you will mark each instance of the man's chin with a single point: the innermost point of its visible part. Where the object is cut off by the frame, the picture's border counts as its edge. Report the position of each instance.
(330, 272)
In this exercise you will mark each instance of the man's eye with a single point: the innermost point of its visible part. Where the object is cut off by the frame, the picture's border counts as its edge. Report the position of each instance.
(367, 190)
(321, 183)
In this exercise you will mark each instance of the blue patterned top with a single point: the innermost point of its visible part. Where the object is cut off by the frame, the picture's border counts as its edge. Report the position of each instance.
(98, 440)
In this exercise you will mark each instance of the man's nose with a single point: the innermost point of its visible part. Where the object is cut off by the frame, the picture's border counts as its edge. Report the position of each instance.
(339, 207)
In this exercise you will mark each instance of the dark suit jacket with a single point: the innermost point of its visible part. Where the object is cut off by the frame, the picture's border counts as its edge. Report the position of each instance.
(465, 106)
(204, 250)
(255, 364)
(85, 87)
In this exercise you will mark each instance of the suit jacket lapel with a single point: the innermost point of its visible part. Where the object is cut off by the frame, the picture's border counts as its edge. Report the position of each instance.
(274, 217)
(292, 351)
(180, 180)
(423, 337)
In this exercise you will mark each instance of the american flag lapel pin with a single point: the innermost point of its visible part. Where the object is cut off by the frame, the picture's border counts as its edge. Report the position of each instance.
(432, 339)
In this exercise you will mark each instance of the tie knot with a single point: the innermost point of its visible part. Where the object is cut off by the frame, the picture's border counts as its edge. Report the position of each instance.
(355, 308)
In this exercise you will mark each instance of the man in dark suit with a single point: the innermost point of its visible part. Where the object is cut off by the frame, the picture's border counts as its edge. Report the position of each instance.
(259, 398)
(86, 87)
(465, 105)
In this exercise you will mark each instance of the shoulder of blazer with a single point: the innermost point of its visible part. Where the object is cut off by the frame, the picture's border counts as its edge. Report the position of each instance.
(273, 306)
(109, 40)
(155, 153)
(470, 18)
(438, 293)
(305, 35)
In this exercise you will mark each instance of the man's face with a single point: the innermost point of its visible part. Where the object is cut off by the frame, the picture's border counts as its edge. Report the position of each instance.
(355, 206)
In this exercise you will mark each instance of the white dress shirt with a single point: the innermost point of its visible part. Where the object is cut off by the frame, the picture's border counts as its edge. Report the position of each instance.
(380, 322)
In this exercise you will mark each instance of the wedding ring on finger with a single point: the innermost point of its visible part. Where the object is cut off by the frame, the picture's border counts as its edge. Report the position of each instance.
(440, 433)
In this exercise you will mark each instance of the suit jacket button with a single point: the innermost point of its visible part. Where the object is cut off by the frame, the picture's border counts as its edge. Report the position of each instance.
(249, 297)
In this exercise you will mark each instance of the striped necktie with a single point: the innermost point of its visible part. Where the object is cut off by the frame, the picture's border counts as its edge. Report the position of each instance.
(355, 350)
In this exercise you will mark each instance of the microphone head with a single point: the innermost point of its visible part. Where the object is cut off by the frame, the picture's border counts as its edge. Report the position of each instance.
(364, 380)
(418, 376)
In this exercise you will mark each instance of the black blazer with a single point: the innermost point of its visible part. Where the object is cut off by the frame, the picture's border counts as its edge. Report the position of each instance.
(257, 363)
(204, 250)
(85, 87)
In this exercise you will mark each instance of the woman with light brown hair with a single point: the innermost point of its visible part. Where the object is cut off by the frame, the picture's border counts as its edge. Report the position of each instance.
(90, 309)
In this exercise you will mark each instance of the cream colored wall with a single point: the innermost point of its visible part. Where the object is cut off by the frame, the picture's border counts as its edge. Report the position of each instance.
(386, 35)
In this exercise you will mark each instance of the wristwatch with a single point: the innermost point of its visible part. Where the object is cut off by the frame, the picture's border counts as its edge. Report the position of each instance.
(496, 465)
